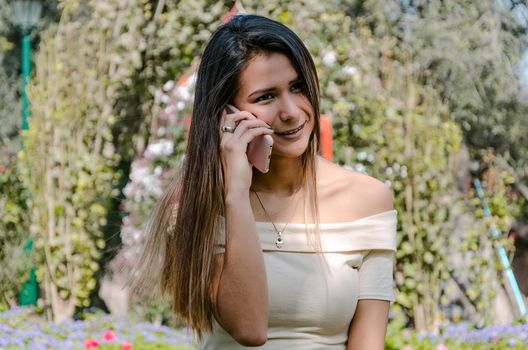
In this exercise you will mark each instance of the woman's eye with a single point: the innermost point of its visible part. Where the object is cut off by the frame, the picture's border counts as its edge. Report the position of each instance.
(298, 87)
(264, 97)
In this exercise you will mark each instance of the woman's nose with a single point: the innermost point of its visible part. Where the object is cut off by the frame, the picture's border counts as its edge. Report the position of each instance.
(288, 109)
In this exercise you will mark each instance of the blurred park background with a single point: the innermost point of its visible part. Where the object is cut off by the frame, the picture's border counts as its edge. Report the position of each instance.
(428, 96)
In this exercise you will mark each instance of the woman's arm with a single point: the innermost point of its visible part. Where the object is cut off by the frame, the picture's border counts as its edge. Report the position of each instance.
(369, 325)
(240, 290)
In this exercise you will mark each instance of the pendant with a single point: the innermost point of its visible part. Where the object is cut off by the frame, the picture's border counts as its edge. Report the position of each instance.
(279, 242)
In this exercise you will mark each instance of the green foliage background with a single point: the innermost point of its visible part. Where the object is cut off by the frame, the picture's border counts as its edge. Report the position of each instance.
(407, 87)
(10, 72)
(14, 227)
(69, 161)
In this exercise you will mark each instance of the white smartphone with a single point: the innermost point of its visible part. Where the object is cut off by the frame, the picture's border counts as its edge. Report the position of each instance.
(259, 149)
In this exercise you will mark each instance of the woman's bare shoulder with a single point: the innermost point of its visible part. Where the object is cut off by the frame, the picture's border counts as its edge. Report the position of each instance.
(346, 195)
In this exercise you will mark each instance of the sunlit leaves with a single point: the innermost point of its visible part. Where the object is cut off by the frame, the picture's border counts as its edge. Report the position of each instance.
(70, 156)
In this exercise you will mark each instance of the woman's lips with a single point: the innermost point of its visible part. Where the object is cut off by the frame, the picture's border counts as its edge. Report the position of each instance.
(291, 132)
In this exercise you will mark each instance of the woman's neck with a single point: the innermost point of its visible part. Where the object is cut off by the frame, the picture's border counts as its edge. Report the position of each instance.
(285, 177)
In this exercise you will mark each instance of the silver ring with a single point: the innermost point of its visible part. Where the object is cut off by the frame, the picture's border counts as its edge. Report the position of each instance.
(230, 129)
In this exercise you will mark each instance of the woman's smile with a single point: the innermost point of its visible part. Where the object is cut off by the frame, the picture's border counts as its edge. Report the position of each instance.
(292, 133)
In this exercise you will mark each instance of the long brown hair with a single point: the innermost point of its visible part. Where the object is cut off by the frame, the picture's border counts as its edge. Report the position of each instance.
(182, 230)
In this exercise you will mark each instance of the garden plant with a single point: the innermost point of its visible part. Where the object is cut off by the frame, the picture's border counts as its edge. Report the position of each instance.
(418, 98)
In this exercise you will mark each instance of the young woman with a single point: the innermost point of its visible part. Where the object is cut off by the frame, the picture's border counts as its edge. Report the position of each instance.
(299, 257)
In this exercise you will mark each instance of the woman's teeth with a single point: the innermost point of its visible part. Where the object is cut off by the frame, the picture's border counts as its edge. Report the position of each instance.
(290, 132)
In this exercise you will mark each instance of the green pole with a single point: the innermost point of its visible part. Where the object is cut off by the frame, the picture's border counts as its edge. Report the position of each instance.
(29, 293)
(26, 73)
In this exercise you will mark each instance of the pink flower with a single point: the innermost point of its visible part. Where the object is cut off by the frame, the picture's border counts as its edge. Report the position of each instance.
(91, 343)
(441, 347)
(126, 346)
(109, 336)
(406, 333)
(408, 347)
(495, 339)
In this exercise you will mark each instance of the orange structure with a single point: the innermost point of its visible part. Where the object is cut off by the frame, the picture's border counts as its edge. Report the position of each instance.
(327, 146)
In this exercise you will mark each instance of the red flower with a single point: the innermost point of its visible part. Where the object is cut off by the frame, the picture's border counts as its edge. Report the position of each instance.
(2, 169)
(126, 346)
(109, 336)
(91, 343)
(495, 339)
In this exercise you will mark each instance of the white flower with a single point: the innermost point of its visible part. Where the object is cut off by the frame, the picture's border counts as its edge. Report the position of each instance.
(183, 92)
(330, 58)
(127, 191)
(404, 172)
(180, 105)
(153, 186)
(138, 197)
(137, 236)
(158, 149)
(127, 221)
(130, 235)
(360, 168)
(350, 70)
(139, 171)
(165, 99)
(143, 183)
(362, 155)
(168, 85)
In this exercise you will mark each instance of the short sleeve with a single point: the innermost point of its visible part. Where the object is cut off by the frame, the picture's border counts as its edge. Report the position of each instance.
(376, 275)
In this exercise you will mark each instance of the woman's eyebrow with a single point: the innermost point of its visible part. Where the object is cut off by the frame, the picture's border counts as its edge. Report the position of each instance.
(266, 90)
(271, 89)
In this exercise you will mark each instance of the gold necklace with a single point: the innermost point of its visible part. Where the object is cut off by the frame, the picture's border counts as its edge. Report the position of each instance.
(278, 242)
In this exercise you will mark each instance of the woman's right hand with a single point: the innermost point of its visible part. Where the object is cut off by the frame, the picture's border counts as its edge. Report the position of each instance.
(233, 147)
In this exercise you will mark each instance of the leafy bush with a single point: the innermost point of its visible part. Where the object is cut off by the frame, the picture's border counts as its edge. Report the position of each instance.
(70, 156)
(13, 236)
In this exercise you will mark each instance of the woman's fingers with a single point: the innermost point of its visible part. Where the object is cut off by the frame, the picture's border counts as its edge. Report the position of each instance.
(245, 125)
(243, 135)
(232, 119)
(239, 123)
(255, 132)
(234, 144)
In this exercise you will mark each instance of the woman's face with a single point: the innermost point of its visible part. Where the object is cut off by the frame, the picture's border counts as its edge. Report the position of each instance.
(272, 91)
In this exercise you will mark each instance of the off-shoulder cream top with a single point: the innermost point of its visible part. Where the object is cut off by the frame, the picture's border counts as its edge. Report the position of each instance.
(311, 303)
